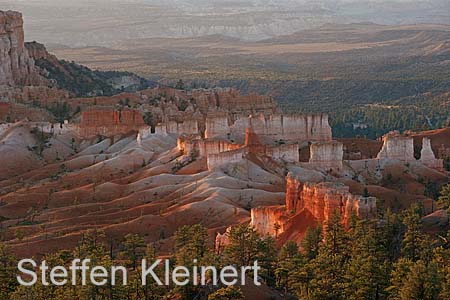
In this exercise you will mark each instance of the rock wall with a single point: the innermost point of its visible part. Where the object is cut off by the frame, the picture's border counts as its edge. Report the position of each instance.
(189, 127)
(289, 153)
(217, 126)
(229, 157)
(16, 66)
(111, 118)
(269, 220)
(427, 156)
(230, 100)
(208, 147)
(322, 199)
(396, 147)
(298, 128)
(110, 122)
(326, 155)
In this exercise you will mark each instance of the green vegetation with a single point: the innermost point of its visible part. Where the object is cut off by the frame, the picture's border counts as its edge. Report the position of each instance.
(391, 259)
(84, 82)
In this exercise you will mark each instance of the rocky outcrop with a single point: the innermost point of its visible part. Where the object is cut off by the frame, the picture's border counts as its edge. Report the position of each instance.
(322, 199)
(269, 220)
(401, 148)
(230, 100)
(110, 122)
(16, 66)
(217, 125)
(274, 127)
(397, 147)
(326, 155)
(317, 200)
(427, 156)
(216, 160)
(38, 51)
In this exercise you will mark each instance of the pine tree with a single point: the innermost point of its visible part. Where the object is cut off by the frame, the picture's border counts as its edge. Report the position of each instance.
(228, 293)
(310, 244)
(444, 198)
(368, 269)
(331, 262)
(414, 238)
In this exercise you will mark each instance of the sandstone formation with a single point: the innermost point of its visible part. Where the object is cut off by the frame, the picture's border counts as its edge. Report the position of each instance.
(317, 200)
(323, 199)
(397, 147)
(298, 128)
(230, 100)
(427, 156)
(326, 155)
(217, 125)
(401, 148)
(223, 158)
(109, 122)
(16, 66)
(269, 220)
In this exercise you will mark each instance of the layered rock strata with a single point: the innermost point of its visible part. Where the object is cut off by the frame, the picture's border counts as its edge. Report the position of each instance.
(323, 199)
(110, 122)
(298, 128)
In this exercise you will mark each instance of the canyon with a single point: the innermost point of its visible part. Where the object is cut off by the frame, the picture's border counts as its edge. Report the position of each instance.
(150, 161)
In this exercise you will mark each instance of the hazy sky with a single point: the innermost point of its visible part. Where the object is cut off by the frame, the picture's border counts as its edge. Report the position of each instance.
(105, 22)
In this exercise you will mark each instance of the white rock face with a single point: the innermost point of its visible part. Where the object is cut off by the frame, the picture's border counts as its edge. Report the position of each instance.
(16, 67)
(217, 126)
(427, 156)
(327, 155)
(397, 148)
(296, 128)
(216, 160)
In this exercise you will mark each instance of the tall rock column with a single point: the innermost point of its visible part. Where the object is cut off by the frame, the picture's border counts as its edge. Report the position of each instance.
(16, 66)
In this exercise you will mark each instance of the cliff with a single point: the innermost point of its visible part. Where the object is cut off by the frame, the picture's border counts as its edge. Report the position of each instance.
(230, 100)
(322, 199)
(269, 220)
(427, 156)
(272, 127)
(397, 147)
(110, 122)
(223, 158)
(17, 68)
(326, 155)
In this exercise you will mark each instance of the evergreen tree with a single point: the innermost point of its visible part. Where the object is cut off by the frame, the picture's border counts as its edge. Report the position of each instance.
(8, 265)
(414, 238)
(310, 243)
(330, 264)
(444, 198)
(228, 293)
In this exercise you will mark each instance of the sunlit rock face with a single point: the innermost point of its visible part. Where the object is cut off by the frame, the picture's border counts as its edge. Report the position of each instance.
(16, 66)
(323, 199)
(269, 220)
